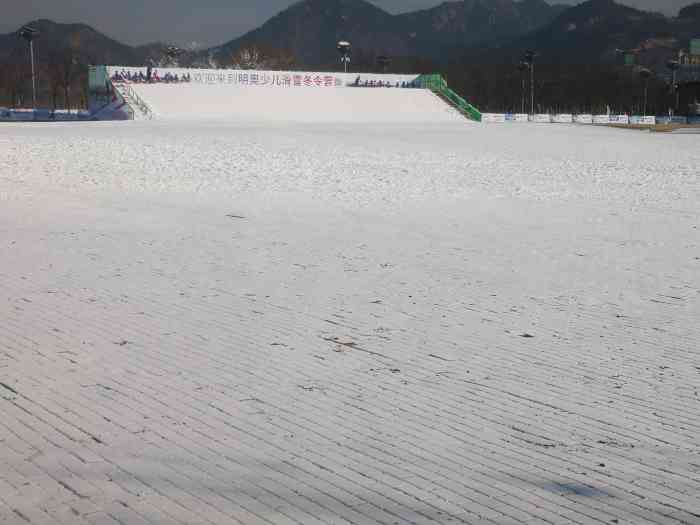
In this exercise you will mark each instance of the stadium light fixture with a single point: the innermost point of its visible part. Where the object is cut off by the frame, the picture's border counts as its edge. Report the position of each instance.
(30, 34)
(529, 59)
(343, 48)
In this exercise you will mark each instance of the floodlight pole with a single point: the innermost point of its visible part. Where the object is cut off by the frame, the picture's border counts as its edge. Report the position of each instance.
(31, 52)
(675, 93)
(522, 67)
(673, 65)
(343, 48)
(532, 88)
(645, 74)
(530, 61)
(29, 33)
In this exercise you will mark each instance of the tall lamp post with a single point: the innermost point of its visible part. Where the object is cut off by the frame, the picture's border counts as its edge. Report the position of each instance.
(646, 75)
(383, 62)
(523, 67)
(29, 34)
(673, 65)
(529, 59)
(343, 48)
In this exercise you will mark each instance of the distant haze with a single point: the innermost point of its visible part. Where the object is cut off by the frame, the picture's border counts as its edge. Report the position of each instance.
(207, 22)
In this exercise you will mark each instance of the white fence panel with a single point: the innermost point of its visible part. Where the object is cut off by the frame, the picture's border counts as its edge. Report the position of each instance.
(563, 118)
(492, 118)
(636, 119)
(619, 119)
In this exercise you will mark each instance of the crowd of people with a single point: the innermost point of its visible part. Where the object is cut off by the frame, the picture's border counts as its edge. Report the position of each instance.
(150, 77)
(383, 83)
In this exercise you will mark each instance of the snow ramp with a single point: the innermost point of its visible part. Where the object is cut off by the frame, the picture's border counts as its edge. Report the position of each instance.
(290, 97)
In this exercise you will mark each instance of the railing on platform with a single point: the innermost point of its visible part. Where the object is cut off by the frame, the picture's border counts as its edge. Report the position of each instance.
(437, 84)
(130, 96)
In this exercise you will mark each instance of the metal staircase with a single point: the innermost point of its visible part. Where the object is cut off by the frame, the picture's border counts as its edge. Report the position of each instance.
(140, 109)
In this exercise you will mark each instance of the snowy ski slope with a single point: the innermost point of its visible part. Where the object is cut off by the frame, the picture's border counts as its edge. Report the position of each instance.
(359, 105)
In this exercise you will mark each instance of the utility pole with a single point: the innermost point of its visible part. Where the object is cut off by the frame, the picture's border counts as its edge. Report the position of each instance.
(522, 67)
(29, 34)
(383, 62)
(645, 74)
(673, 65)
(343, 48)
(529, 59)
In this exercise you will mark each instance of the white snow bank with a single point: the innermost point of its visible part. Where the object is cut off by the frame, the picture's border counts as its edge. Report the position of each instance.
(371, 105)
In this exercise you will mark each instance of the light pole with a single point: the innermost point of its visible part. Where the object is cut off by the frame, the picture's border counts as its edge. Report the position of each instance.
(343, 48)
(529, 59)
(646, 75)
(29, 34)
(523, 67)
(383, 62)
(673, 65)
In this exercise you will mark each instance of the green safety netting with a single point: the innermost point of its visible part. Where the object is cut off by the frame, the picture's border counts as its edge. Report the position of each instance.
(438, 85)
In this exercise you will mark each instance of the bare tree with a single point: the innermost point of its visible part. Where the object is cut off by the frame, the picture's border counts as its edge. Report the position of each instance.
(247, 58)
(261, 57)
(55, 79)
(16, 76)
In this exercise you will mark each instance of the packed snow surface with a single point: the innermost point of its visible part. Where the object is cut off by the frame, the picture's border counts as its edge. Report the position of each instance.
(366, 105)
(302, 323)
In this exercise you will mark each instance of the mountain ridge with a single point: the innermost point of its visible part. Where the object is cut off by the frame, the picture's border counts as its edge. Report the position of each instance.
(499, 29)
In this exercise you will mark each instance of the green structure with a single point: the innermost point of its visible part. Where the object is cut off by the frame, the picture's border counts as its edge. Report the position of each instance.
(695, 47)
(99, 92)
(438, 85)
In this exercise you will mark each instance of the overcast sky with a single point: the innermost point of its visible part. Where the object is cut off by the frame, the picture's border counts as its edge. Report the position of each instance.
(207, 22)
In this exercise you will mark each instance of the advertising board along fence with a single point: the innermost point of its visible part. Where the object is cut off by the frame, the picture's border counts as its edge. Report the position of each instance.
(493, 118)
(643, 121)
(517, 117)
(672, 120)
(601, 119)
(619, 119)
(258, 79)
(563, 118)
(542, 118)
(583, 119)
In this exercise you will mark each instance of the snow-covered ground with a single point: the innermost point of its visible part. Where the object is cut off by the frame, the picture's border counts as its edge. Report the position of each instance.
(209, 322)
